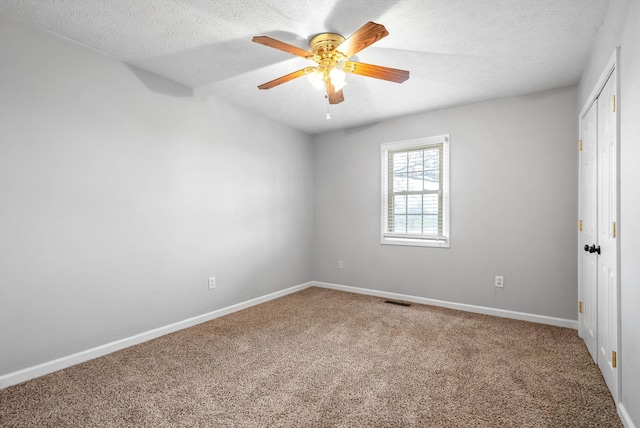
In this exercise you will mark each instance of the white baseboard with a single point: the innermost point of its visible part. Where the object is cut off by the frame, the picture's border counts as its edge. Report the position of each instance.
(624, 417)
(80, 357)
(541, 319)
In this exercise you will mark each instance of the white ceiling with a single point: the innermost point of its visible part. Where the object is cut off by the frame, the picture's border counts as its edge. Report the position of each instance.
(458, 51)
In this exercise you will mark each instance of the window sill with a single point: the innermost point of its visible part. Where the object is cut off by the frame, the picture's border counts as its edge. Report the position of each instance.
(413, 242)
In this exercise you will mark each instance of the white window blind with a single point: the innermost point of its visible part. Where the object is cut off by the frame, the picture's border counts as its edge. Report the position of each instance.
(415, 192)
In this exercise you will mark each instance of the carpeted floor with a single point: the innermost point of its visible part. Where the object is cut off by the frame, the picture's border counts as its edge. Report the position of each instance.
(324, 358)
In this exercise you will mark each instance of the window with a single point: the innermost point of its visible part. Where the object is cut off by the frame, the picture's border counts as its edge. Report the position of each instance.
(415, 192)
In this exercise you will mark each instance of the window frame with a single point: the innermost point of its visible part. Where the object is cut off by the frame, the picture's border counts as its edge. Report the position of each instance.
(394, 238)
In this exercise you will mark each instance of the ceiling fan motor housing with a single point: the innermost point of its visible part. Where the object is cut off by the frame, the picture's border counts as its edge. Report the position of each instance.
(324, 44)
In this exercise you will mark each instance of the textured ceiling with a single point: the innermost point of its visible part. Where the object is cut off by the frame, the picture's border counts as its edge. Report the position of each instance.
(458, 51)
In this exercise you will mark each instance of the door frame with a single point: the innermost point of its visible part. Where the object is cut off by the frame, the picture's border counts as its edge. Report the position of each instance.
(610, 69)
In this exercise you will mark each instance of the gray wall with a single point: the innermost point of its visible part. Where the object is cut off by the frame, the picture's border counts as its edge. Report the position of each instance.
(513, 207)
(120, 195)
(622, 29)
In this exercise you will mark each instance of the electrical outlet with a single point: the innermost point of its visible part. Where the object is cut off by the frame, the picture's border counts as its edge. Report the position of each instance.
(212, 282)
(499, 281)
(340, 264)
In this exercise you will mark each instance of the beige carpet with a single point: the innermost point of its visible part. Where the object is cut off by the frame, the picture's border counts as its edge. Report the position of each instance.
(323, 358)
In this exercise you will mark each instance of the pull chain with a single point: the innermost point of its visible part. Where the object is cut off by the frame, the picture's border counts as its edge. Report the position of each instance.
(328, 114)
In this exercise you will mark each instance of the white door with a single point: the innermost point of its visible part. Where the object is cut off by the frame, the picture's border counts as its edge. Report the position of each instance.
(607, 236)
(598, 252)
(588, 260)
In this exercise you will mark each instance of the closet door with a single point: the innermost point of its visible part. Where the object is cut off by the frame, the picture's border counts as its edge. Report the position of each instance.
(598, 237)
(607, 235)
(587, 260)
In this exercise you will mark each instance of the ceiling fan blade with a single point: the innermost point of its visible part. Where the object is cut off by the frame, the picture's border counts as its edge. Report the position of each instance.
(376, 71)
(286, 78)
(286, 47)
(367, 35)
(335, 97)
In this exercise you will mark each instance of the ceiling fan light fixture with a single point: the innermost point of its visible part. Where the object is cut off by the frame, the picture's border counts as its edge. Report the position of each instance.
(316, 79)
(337, 77)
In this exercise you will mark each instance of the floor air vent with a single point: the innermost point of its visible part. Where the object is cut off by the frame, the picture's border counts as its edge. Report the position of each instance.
(394, 302)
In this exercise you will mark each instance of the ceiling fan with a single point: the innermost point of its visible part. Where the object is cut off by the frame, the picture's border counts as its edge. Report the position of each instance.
(331, 52)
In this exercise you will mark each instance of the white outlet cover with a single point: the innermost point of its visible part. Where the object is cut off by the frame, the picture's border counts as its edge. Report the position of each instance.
(212, 282)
